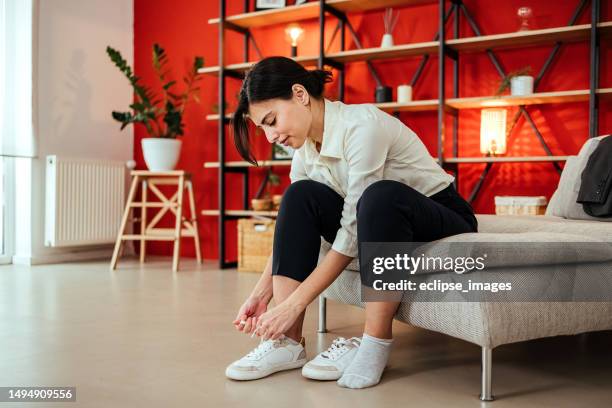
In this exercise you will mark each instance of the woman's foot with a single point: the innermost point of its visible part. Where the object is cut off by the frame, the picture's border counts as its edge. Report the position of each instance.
(330, 364)
(367, 367)
(269, 357)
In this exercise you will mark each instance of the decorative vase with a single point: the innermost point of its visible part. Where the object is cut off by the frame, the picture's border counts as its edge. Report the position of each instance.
(521, 85)
(383, 94)
(387, 41)
(161, 154)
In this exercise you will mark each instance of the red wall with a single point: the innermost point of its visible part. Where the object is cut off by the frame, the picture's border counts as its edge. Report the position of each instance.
(181, 28)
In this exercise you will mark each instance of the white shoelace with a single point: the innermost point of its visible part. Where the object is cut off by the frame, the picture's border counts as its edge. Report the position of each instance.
(261, 349)
(340, 346)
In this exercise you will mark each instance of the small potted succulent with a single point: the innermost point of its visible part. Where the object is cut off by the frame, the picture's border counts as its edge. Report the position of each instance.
(519, 82)
(161, 115)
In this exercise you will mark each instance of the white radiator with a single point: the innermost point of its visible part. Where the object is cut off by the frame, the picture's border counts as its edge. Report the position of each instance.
(83, 201)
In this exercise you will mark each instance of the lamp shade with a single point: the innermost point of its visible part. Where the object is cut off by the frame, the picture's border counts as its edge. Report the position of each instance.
(493, 131)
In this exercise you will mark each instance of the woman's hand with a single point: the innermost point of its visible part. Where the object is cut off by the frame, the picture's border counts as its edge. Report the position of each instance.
(273, 323)
(252, 308)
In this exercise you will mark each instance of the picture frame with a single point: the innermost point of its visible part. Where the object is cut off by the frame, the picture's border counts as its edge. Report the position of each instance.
(269, 4)
(280, 152)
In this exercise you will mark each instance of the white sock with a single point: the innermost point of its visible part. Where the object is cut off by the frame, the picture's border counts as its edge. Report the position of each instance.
(368, 364)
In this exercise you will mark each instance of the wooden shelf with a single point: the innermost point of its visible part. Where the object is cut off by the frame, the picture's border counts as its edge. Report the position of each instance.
(478, 102)
(506, 159)
(528, 38)
(242, 213)
(413, 106)
(509, 100)
(310, 10)
(262, 163)
(397, 51)
(605, 93)
(244, 66)
(215, 116)
(469, 44)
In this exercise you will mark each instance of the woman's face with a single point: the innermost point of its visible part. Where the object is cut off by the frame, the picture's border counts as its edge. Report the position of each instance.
(286, 122)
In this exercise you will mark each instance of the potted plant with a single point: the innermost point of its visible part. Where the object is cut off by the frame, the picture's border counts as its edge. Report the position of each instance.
(519, 82)
(161, 115)
(262, 200)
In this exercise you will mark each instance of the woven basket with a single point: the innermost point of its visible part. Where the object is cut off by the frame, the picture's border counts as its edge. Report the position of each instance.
(516, 205)
(255, 238)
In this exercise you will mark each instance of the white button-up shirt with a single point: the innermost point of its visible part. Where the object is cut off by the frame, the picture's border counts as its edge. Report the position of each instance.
(361, 145)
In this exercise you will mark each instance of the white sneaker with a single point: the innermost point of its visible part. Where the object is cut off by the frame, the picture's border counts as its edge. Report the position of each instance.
(267, 358)
(330, 364)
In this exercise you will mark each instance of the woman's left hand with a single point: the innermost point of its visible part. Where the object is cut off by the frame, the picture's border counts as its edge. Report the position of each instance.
(275, 322)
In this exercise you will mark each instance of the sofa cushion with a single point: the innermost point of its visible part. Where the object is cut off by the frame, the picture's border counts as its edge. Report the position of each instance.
(563, 201)
(529, 223)
(512, 248)
(519, 249)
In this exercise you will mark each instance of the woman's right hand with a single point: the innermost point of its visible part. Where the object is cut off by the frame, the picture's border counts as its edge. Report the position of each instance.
(247, 316)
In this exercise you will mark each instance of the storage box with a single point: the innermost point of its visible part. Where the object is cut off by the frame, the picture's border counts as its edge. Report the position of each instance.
(255, 239)
(520, 205)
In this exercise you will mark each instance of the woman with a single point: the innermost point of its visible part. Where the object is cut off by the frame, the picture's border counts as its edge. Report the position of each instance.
(357, 175)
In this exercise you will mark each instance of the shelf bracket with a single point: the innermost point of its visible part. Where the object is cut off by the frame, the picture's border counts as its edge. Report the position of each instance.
(334, 12)
(359, 46)
(234, 27)
(425, 58)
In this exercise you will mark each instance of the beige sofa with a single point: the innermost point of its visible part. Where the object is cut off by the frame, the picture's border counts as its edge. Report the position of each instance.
(490, 324)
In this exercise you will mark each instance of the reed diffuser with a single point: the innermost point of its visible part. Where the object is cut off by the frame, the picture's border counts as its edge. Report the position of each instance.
(390, 20)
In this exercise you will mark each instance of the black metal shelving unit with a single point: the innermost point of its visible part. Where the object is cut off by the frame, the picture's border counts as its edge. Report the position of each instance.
(446, 49)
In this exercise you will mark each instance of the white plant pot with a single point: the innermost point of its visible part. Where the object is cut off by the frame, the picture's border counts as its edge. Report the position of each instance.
(521, 85)
(161, 154)
(387, 41)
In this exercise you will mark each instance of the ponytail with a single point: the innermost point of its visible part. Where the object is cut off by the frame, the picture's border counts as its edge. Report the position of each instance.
(241, 129)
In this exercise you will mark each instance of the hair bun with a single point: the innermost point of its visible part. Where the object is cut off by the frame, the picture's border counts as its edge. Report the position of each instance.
(320, 78)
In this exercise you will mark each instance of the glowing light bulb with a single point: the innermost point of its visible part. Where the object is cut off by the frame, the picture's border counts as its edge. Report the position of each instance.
(294, 34)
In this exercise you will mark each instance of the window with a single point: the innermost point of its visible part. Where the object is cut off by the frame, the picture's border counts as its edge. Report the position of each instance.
(16, 69)
(16, 102)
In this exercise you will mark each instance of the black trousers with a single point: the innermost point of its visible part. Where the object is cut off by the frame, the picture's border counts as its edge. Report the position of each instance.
(388, 211)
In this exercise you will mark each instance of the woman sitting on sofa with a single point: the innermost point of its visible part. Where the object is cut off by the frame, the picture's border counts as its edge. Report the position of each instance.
(357, 175)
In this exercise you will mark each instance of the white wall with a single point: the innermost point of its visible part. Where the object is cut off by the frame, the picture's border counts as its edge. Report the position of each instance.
(76, 88)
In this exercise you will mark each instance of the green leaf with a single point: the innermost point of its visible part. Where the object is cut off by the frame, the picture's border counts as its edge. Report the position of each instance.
(168, 85)
(173, 121)
(198, 63)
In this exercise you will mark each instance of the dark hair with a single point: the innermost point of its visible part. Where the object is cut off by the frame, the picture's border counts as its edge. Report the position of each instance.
(272, 78)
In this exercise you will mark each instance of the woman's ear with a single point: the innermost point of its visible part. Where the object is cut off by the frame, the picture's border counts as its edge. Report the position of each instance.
(300, 94)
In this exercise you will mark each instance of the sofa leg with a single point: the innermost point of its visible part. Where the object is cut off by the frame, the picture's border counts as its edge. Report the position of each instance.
(486, 367)
(322, 314)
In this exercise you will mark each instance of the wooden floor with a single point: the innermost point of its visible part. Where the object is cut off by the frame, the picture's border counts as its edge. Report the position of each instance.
(145, 337)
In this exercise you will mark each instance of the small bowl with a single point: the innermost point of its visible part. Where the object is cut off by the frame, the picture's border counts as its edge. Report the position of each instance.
(261, 204)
